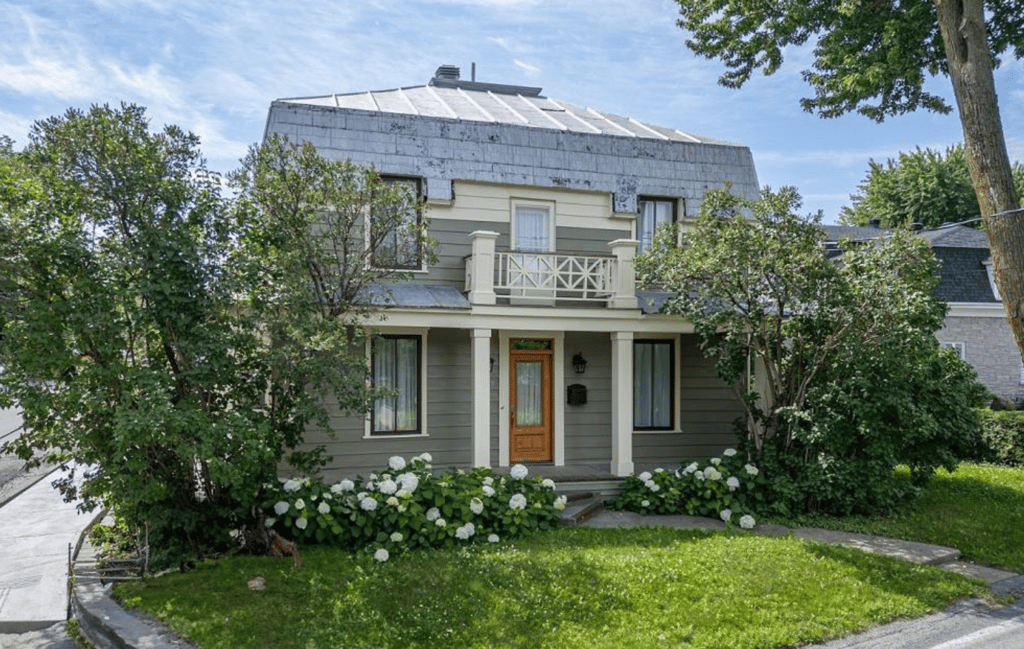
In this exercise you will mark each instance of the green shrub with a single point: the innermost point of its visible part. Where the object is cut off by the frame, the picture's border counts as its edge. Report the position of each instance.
(725, 487)
(409, 506)
(1001, 440)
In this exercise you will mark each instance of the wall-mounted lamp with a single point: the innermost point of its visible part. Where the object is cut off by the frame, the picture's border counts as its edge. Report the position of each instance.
(579, 363)
(492, 364)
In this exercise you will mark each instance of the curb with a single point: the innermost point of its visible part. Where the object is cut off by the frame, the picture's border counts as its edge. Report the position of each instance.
(104, 622)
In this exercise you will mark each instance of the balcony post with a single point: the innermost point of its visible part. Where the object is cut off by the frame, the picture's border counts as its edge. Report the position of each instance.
(624, 277)
(480, 268)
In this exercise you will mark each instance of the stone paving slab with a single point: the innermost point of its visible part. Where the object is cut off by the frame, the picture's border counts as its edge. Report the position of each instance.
(933, 555)
(36, 529)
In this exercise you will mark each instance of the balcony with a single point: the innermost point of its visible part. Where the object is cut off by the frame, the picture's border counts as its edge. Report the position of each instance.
(536, 278)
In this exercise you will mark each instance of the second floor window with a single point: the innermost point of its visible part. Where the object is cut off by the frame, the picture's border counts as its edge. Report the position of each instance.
(532, 228)
(653, 213)
(396, 230)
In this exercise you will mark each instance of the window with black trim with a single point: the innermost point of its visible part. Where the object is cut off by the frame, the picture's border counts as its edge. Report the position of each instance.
(653, 384)
(652, 214)
(396, 368)
(395, 230)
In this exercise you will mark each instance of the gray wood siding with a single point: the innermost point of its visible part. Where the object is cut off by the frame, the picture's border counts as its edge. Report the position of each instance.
(707, 409)
(449, 416)
(588, 428)
(586, 241)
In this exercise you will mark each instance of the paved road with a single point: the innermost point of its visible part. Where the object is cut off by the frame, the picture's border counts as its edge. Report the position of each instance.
(967, 625)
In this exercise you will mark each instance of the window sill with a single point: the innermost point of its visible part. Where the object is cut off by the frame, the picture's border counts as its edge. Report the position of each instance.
(399, 436)
(674, 431)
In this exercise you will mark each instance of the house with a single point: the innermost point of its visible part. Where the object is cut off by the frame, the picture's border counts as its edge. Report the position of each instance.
(527, 341)
(976, 325)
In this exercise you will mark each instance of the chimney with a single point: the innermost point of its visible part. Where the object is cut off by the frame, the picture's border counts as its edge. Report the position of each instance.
(447, 72)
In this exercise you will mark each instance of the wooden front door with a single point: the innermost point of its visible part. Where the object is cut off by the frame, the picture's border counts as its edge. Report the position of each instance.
(530, 425)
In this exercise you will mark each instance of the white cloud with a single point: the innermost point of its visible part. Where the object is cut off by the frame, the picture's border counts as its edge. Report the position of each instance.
(531, 70)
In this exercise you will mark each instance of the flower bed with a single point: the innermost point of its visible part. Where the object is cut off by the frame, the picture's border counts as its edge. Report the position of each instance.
(725, 487)
(409, 506)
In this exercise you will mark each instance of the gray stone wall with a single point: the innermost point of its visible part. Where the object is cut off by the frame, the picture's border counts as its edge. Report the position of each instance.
(990, 348)
(441, 150)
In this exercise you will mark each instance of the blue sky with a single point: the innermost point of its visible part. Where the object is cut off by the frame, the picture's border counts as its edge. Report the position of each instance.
(213, 67)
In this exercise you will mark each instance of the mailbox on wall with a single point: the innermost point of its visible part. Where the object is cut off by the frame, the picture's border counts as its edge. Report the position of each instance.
(576, 395)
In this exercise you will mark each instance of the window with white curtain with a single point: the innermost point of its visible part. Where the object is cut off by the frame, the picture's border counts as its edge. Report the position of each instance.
(532, 228)
(653, 384)
(653, 213)
(396, 368)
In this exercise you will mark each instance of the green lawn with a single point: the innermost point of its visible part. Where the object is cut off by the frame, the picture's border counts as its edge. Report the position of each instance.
(568, 588)
(978, 509)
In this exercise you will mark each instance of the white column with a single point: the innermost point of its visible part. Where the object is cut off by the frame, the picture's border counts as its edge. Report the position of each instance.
(480, 268)
(622, 403)
(481, 352)
(625, 274)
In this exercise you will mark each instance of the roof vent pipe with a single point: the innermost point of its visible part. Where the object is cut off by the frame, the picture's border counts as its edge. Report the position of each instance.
(447, 72)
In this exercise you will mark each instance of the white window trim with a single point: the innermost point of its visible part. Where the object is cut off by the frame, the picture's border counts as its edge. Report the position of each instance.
(992, 279)
(677, 369)
(424, 388)
(515, 204)
(959, 347)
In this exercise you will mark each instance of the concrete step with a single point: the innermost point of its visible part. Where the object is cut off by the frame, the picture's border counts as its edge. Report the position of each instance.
(579, 510)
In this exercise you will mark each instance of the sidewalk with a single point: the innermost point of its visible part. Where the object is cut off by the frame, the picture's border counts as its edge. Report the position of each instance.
(1001, 581)
(36, 528)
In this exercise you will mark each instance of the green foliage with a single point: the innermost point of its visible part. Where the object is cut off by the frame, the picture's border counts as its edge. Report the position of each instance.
(725, 487)
(925, 186)
(1001, 438)
(575, 587)
(977, 509)
(874, 58)
(849, 379)
(164, 339)
(408, 506)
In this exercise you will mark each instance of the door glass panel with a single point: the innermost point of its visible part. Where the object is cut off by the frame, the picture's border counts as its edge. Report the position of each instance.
(529, 343)
(529, 406)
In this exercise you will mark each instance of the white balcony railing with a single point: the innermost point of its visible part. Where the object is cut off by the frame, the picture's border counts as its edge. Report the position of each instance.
(543, 278)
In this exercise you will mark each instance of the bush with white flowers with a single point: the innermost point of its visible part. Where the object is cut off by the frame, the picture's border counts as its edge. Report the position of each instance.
(726, 487)
(409, 506)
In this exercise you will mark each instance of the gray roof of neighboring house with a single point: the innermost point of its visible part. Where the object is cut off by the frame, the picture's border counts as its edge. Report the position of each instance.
(962, 251)
(956, 236)
(500, 104)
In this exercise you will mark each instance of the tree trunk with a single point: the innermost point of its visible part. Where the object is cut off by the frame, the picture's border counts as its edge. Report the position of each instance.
(962, 24)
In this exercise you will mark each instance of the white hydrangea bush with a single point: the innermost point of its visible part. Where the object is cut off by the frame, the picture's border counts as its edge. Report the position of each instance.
(408, 505)
(726, 487)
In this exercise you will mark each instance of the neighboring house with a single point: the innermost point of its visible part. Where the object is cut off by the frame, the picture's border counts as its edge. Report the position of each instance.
(527, 341)
(976, 325)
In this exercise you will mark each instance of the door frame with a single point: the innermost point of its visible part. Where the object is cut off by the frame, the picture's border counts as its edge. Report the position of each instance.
(557, 387)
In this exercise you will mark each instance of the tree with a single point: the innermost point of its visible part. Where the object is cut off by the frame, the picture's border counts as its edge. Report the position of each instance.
(924, 186)
(873, 57)
(131, 298)
(850, 379)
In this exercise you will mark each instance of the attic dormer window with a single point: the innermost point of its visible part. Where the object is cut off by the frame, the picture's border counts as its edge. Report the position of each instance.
(992, 279)
(652, 214)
